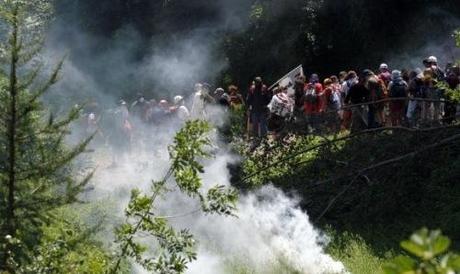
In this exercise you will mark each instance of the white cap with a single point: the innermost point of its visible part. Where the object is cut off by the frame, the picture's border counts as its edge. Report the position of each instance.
(178, 99)
(432, 59)
(383, 66)
(198, 86)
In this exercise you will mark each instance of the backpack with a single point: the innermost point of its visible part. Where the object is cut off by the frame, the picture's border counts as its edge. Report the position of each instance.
(335, 100)
(311, 96)
(398, 90)
(376, 90)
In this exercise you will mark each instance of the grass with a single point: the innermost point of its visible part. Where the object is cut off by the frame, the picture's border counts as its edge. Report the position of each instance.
(357, 256)
(238, 266)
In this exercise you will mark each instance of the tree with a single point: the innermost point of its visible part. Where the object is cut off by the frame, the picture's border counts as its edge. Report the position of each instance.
(35, 164)
(174, 249)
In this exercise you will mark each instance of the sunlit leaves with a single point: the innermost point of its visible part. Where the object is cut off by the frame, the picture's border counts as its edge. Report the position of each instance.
(426, 244)
(172, 250)
(221, 200)
(257, 12)
(457, 37)
(189, 146)
(68, 246)
(452, 94)
(429, 254)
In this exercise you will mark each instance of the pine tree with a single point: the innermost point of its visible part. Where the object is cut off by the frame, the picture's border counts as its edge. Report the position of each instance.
(35, 163)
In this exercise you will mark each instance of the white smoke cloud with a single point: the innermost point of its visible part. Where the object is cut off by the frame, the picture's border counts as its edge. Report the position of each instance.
(270, 226)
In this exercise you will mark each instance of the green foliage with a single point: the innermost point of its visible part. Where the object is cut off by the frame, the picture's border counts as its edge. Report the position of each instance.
(273, 161)
(452, 95)
(234, 130)
(457, 38)
(389, 199)
(173, 249)
(242, 265)
(356, 255)
(188, 148)
(68, 244)
(257, 12)
(36, 172)
(275, 26)
(238, 121)
(429, 254)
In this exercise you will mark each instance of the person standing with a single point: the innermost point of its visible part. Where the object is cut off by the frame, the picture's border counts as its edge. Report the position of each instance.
(236, 99)
(385, 74)
(258, 100)
(351, 80)
(139, 108)
(121, 129)
(281, 108)
(180, 109)
(432, 107)
(201, 98)
(313, 91)
(415, 91)
(357, 96)
(398, 93)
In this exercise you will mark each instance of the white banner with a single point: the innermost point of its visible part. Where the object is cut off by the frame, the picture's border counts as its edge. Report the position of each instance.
(289, 79)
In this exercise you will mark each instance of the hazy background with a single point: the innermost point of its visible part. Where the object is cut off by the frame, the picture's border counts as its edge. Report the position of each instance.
(160, 48)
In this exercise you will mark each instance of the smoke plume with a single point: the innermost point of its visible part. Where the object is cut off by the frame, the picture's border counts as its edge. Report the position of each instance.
(270, 229)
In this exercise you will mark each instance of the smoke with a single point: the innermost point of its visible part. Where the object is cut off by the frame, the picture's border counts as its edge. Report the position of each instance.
(271, 230)
(429, 34)
(180, 51)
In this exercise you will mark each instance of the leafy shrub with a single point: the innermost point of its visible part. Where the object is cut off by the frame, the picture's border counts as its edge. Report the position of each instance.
(428, 254)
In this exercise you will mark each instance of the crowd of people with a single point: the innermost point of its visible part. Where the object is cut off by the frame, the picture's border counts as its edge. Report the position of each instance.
(352, 101)
(348, 101)
(129, 124)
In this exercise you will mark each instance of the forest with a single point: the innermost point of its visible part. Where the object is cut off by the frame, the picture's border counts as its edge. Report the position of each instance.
(145, 136)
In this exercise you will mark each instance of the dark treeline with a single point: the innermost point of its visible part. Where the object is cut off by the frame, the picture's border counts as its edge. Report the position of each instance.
(268, 37)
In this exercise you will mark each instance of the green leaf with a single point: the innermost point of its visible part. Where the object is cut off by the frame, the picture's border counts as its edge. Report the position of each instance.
(400, 265)
(413, 248)
(441, 245)
(405, 263)
(454, 262)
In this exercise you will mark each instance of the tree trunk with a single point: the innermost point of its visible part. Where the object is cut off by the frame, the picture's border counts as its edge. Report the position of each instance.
(10, 226)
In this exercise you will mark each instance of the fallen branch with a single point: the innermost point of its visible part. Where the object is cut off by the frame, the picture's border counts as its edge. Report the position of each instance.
(351, 136)
(394, 160)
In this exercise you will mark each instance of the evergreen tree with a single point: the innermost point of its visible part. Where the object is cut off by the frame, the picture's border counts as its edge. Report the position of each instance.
(35, 164)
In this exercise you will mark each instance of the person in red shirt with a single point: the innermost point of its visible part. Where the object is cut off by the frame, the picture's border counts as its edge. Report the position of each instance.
(385, 74)
(313, 90)
(325, 96)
